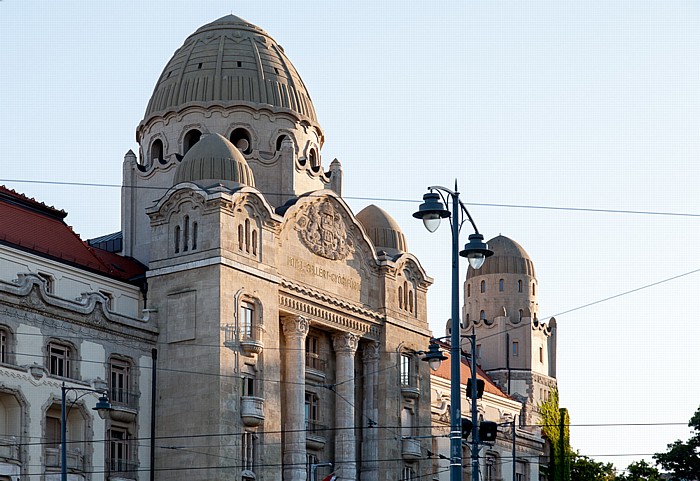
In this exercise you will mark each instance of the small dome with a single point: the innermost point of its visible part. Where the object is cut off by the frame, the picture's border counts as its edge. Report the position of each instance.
(214, 158)
(385, 233)
(230, 61)
(508, 258)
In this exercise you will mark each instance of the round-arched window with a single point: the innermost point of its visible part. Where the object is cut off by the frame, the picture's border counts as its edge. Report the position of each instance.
(191, 138)
(241, 139)
(157, 151)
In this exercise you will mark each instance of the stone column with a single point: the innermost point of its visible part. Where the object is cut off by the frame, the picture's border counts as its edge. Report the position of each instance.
(295, 330)
(370, 455)
(345, 345)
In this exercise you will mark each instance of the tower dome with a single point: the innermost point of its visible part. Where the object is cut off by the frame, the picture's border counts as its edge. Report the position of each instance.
(508, 258)
(385, 233)
(214, 159)
(230, 61)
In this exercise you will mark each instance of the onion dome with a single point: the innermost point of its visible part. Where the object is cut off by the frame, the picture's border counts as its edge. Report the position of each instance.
(230, 61)
(382, 229)
(214, 159)
(508, 258)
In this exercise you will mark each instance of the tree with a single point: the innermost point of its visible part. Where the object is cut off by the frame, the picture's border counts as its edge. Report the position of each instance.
(640, 471)
(682, 459)
(555, 428)
(584, 468)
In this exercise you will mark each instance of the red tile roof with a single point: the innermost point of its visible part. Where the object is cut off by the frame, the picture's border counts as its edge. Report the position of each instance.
(444, 371)
(36, 227)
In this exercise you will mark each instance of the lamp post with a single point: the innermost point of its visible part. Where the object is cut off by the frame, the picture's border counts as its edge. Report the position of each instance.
(431, 211)
(102, 407)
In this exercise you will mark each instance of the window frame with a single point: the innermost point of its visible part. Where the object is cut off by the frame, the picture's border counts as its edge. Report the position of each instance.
(123, 463)
(406, 369)
(121, 393)
(65, 363)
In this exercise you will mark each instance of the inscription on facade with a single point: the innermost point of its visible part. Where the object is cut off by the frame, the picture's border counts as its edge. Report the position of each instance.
(323, 273)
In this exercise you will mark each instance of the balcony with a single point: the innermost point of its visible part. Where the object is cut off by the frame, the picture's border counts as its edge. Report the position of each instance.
(315, 434)
(9, 448)
(315, 367)
(410, 392)
(251, 346)
(410, 449)
(252, 410)
(125, 405)
(119, 469)
(75, 461)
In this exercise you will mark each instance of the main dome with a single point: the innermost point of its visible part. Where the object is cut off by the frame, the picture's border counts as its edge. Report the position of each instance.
(230, 61)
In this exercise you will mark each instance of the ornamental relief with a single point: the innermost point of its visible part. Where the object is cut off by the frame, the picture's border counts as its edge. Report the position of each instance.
(322, 229)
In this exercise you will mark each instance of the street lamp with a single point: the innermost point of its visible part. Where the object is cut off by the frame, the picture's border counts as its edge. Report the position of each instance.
(102, 407)
(432, 211)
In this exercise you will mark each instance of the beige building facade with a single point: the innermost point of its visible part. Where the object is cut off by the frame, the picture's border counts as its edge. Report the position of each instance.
(288, 325)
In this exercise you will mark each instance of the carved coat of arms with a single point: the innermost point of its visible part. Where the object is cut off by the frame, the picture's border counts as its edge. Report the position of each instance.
(323, 231)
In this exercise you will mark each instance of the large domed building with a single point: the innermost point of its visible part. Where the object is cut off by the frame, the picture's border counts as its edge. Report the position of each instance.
(302, 319)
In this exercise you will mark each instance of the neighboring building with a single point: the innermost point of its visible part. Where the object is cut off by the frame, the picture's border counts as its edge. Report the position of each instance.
(515, 350)
(496, 460)
(69, 314)
(287, 327)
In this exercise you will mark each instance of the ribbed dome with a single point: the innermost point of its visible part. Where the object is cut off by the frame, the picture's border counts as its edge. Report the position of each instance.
(385, 233)
(508, 258)
(214, 158)
(226, 62)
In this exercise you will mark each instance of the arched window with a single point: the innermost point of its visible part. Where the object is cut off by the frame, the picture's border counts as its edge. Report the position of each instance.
(254, 242)
(177, 239)
(482, 315)
(186, 235)
(247, 235)
(240, 237)
(500, 285)
(280, 140)
(400, 297)
(241, 139)
(157, 151)
(247, 317)
(194, 235)
(520, 315)
(483, 286)
(191, 138)
(313, 161)
(410, 302)
(520, 286)
(469, 290)
(533, 288)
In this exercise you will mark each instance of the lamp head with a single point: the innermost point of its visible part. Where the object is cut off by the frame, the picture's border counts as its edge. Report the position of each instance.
(103, 406)
(432, 210)
(476, 251)
(434, 356)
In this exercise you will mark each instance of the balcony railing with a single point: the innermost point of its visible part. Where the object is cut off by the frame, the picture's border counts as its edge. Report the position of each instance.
(315, 434)
(121, 469)
(124, 398)
(75, 461)
(410, 448)
(252, 410)
(9, 447)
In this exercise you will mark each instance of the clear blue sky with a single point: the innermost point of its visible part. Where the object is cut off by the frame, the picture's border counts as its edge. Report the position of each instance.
(534, 103)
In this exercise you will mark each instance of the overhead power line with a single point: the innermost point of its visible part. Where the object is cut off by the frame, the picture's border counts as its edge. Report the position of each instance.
(387, 199)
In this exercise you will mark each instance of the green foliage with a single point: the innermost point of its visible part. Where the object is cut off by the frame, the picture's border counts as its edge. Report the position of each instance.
(584, 468)
(682, 459)
(640, 471)
(555, 428)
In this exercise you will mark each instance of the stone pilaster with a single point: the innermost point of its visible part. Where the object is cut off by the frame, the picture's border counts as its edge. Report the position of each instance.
(345, 345)
(370, 449)
(295, 330)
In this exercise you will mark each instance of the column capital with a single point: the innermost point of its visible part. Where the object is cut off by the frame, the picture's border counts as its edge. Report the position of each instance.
(345, 342)
(295, 326)
(370, 352)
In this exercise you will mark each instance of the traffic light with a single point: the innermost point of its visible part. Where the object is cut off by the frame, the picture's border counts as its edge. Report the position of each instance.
(479, 388)
(466, 428)
(487, 431)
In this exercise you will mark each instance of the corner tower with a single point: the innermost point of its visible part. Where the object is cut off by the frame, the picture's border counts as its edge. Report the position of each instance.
(513, 346)
(231, 78)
